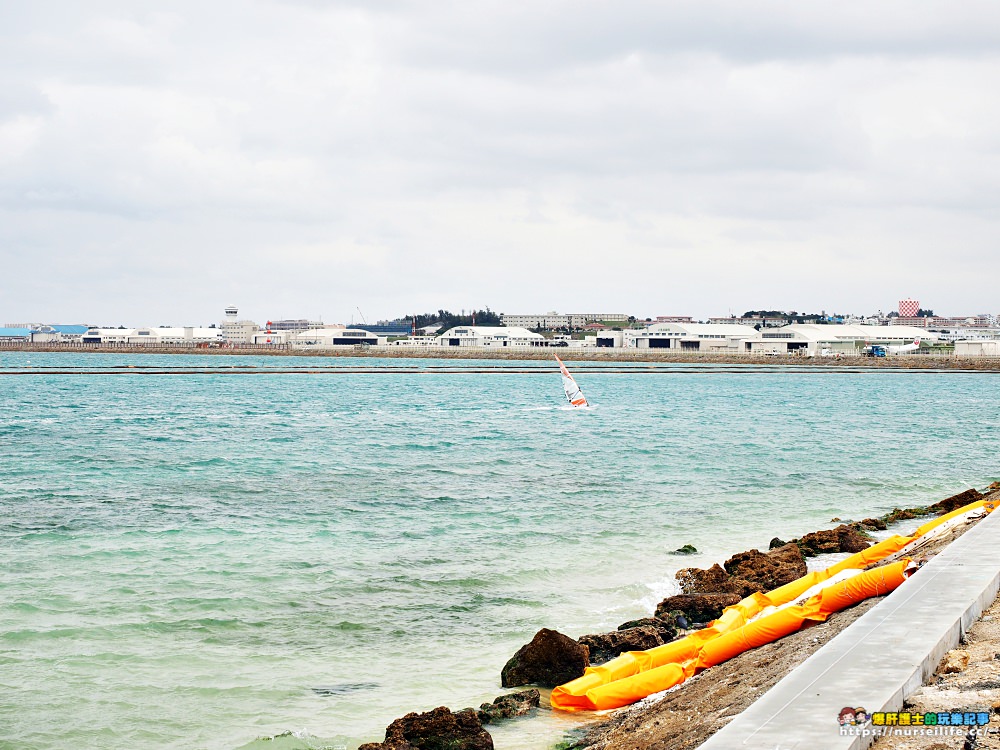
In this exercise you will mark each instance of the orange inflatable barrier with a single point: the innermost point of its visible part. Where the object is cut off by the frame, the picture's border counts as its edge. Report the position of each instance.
(838, 596)
(745, 625)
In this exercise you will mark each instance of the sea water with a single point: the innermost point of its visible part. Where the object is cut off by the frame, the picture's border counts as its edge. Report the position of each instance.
(243, 558)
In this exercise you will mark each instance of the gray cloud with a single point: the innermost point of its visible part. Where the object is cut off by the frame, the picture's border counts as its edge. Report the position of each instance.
(304, 158)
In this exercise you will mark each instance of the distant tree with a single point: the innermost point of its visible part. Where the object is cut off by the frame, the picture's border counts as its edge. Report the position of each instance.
(921, 313)
(447, 319)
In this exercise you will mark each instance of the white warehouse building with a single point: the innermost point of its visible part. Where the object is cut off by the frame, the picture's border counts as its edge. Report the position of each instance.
(328, 338)
(981, 348)
(797, 338)
(187, 336)
(689, 337)
(811, 340)
(318, 338)
(491, 336)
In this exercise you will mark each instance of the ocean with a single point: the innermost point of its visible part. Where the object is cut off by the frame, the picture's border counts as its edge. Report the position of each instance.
(241, 558)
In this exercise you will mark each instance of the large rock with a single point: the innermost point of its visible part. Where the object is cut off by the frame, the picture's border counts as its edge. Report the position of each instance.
(664, 626)
(746, 572)
(508, 706)
(768, 570)
(873, 524)
(954, 661)
(841, 539)
(714, 579)
(549, 660)
(439, 729)
(606, 646)
(955, 502)
(687, 549)
(904, 514)
(697, 607)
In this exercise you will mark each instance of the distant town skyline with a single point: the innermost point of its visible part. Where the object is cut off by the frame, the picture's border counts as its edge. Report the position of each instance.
(906, 306)
(332, 159)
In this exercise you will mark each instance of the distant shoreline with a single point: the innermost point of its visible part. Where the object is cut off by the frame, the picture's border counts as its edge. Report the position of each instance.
(899, 362)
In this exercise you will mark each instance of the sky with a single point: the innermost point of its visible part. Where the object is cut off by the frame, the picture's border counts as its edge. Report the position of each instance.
(351, 160)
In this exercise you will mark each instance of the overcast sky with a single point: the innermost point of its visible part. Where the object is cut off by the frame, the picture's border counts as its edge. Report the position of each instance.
(159, 161)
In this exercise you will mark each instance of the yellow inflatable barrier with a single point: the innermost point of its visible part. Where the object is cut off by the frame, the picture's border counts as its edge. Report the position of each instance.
(752, 622)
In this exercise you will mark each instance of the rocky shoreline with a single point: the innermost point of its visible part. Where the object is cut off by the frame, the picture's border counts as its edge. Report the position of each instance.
(687, 716)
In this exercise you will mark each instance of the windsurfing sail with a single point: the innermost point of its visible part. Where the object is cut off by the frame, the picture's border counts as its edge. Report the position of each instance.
(573, 392)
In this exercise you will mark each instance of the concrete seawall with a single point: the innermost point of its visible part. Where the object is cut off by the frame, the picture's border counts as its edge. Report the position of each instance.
(880, 659)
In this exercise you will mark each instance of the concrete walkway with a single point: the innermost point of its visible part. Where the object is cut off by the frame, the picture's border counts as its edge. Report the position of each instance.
(881, 658)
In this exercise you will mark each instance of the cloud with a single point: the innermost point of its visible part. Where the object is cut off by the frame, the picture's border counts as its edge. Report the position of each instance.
(398, 156)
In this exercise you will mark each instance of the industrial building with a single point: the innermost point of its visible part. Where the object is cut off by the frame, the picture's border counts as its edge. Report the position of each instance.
(394, 328)
(416, 341)
(328, 338)
(296, 325)
(15, 335)
(42, 334)
(939, 321)
(491, 336)
(553, 320)
(812, 340)
(720, 338)
(797, 338)
(187, 336)
(981, 348)
(318, 338)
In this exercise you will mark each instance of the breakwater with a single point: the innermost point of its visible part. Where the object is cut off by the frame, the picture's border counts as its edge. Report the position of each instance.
(905, 362)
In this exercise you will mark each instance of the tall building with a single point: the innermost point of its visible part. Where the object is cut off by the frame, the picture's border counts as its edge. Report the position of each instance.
(552, 320)
(908, 308)
(296, 326)
(237, 331)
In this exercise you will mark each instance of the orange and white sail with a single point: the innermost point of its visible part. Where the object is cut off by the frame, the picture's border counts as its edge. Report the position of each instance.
(573, 392)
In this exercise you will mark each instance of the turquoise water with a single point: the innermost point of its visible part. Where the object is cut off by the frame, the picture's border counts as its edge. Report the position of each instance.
(209, 560)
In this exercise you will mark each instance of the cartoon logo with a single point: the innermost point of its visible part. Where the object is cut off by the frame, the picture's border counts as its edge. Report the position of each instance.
(852, 716)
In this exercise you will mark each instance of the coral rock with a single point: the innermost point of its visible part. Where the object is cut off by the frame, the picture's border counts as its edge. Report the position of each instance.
(875, 524)
(664, 625)
(955, 502)
(768, 571)
(439, 729)
(955, 661)
(509, 706)
(549, 660)
(687, 549)
(841, 539)
(606, 646)
(694, 580)
(904, 514)
(697, 607)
